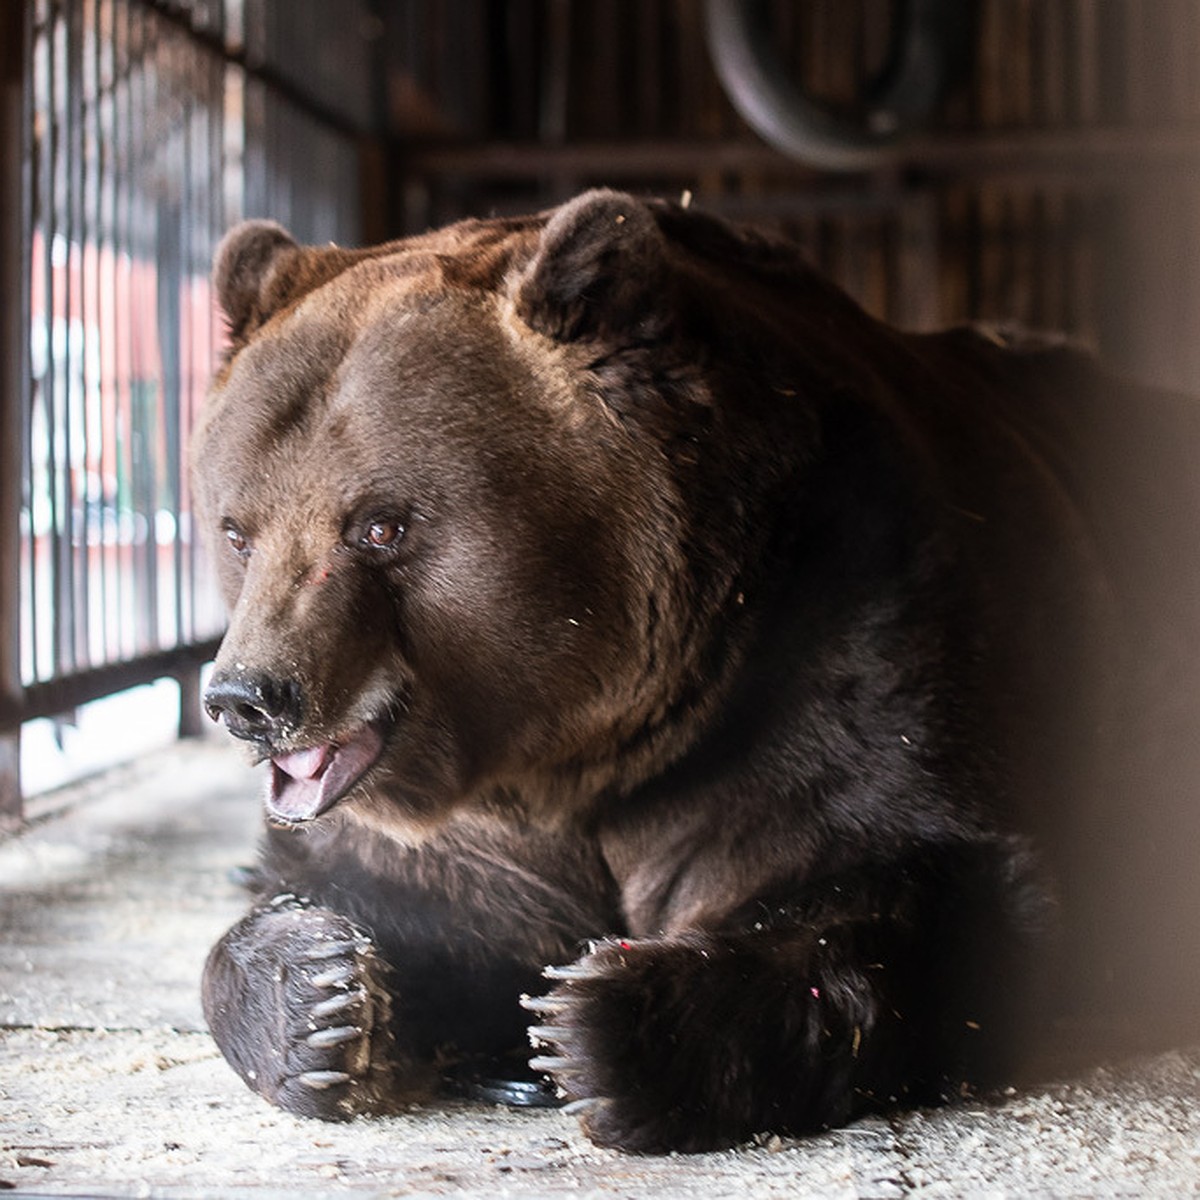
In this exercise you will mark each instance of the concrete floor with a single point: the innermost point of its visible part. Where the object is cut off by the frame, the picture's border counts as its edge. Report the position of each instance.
(109, 1085)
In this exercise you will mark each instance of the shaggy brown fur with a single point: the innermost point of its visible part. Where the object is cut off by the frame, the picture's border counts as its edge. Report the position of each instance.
(608, 574)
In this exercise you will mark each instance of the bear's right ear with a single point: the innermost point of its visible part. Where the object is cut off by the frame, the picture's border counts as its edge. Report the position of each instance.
(251, 275)
(598, 270)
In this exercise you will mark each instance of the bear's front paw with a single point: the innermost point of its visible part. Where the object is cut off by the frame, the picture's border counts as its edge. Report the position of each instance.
(309, 1022)
(699, 1042)
(637, 1039)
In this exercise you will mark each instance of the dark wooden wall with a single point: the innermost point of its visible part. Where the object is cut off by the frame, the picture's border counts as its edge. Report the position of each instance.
(1056, 184)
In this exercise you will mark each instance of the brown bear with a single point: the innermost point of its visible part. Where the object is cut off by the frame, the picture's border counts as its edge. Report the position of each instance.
(640, 636)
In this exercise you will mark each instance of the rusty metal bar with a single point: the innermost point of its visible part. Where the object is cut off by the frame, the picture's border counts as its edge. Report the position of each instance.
(54, 696)
(1119, 156)
(14, 52)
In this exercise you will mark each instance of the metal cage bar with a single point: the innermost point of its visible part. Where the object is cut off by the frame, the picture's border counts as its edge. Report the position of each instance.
(14, 282)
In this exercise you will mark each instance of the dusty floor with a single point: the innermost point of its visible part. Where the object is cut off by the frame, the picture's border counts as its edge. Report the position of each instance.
(109, 1085)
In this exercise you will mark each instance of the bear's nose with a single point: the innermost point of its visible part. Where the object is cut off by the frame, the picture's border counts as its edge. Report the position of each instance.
(255, 706)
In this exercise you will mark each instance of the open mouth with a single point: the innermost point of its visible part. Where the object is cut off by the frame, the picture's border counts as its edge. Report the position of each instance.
(306, 783)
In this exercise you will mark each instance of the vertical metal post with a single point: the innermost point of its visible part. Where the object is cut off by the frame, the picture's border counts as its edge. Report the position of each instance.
(13, 318)
(192, 722)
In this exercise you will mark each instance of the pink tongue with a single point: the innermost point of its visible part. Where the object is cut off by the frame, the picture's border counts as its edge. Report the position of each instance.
(304, 764)
(305, 783)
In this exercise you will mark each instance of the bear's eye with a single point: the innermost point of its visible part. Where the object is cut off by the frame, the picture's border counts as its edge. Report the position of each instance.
(237, 540)
(383, 533)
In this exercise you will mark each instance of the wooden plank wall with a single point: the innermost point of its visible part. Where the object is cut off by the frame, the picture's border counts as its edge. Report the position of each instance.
(1057, 185)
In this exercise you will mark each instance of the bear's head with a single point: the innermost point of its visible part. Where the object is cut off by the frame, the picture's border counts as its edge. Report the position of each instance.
(446, 485)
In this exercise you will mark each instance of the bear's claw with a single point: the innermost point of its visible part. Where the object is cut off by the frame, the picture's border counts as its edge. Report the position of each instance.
(613, 1032)
(560, 1034)
(338, 949)
(338, 1004)
(339, 1059)
(319, 1080)
(324, 994)
(542, 1005)
(551, 1064)
(333, 1037)
(576, 970)
(578, 1108)
(339, 976)
(541, 1035)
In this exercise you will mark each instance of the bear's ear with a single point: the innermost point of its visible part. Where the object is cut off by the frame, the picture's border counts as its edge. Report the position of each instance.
(598, 270)
(250, 274)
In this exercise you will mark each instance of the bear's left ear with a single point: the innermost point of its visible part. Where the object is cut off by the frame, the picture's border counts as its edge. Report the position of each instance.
(598, 270)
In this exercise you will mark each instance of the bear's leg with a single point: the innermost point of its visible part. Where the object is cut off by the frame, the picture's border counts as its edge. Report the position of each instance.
(796, 1015)
(300, 1004)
